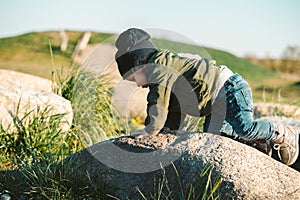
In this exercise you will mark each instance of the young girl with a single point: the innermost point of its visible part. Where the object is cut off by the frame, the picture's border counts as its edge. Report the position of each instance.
(181, 86)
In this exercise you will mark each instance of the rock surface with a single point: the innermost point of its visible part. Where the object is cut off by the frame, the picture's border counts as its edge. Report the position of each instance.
(129, 165)
(18, 101)
(25, 81)
(295, 123)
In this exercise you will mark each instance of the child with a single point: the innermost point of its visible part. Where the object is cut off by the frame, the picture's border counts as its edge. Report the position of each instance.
(197, 87)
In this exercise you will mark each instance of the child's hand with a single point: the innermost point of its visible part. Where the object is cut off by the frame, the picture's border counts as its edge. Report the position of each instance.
(139, 133)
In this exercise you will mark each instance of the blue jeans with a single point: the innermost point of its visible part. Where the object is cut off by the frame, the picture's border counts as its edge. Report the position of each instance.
(239, 113)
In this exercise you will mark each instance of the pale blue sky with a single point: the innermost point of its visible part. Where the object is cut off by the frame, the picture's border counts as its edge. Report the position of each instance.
(241, 27)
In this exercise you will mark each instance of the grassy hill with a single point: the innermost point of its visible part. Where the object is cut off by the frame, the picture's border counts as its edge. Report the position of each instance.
(30, 53)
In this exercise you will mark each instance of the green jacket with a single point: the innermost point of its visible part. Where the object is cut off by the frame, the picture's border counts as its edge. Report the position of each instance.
(178, 86)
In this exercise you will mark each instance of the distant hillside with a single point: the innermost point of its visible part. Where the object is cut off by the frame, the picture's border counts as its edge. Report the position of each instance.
(30, 53)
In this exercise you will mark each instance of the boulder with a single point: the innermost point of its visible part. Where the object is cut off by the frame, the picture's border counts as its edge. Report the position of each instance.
(18, 101)
(132, 168)
(25, 81)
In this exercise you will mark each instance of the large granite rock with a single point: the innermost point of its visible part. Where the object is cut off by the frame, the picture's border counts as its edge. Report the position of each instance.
(131, 167)
(18, 101)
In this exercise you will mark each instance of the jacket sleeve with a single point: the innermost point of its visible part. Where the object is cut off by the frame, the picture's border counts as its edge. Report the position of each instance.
(160, 85)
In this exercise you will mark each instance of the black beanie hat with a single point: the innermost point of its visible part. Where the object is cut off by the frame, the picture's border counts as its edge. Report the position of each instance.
(134, 49)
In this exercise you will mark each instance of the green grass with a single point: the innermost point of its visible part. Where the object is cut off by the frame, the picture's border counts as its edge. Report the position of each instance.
(37, 134)
(94, 114)
(47, 179)
(204, 188)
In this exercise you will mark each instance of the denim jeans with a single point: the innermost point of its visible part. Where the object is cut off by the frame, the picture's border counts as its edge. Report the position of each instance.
(239, 119)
